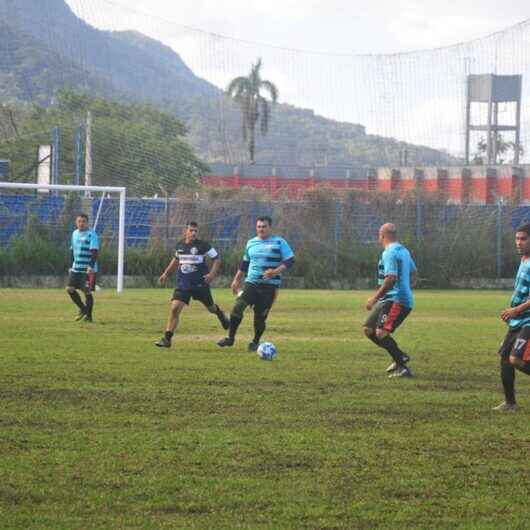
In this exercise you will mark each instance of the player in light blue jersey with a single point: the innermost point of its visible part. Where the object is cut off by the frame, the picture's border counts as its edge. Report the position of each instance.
(266, 257)
(85, 247)
(393, 300)
(515, 349)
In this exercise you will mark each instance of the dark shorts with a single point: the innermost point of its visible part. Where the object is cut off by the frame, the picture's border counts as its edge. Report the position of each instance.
(516, 343)
(202, 294)
(82, 281)
(259, 296)
(387, 315)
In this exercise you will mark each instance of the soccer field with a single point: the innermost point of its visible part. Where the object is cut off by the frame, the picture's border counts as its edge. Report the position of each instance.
(100, 429)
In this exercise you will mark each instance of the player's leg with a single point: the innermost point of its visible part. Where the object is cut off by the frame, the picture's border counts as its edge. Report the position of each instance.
(204, 295)
(388, 323)
(246, 298)
(507, 371)
(262, 307)
(74, 283)
(89, 288)
(179, 301)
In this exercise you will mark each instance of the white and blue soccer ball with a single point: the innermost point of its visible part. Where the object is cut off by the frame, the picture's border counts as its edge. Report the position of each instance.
(267, 351)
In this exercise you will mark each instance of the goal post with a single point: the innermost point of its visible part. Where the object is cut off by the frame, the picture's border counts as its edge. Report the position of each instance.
(121, 191)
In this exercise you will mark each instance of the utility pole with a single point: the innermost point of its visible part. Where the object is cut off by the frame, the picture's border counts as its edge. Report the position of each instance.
(88, 152)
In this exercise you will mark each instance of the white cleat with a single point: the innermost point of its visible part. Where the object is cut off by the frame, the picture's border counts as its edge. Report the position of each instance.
(401, 371)
(505, 407)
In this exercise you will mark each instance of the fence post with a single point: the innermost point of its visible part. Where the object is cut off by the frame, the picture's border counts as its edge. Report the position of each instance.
(337, 233)
(499, 238)
(419, 215)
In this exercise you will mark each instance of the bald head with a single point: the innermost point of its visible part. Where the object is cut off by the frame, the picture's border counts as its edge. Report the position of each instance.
(387, 233)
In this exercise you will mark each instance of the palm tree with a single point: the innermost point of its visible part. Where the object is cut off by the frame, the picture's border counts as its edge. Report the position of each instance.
(245, 91)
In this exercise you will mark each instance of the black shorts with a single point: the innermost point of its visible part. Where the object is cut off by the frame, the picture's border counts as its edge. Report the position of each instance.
(516, 343)
(82, 281)
(387, 315)
(202, 294)
(260, 296)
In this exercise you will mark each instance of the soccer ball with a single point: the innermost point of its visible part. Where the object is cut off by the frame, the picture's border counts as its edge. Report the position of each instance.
(267, 351)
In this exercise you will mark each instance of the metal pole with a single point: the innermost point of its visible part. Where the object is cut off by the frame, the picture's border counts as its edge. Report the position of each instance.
(88, 152)
(419, 220)
(78, 155)
(499, 238)
(121, 241)
(56, 155)
(338, 215)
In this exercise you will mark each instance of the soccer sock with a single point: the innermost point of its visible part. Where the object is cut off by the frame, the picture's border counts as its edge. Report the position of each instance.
(168, 335)
(76, 299)
(220, 315)
(234, 324)
(390, 345)
(508, 381)
(89, 304)
(259, 328)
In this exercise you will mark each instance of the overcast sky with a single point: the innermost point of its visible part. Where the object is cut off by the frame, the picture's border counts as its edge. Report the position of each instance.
(342, 26)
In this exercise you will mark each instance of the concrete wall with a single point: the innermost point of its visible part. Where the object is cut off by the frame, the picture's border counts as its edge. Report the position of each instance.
(472, 184)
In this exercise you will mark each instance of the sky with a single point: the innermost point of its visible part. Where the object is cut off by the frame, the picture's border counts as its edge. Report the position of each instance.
(341, 26)
(346, 61)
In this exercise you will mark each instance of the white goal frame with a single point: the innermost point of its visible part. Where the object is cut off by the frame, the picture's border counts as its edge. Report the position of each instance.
(103, 189)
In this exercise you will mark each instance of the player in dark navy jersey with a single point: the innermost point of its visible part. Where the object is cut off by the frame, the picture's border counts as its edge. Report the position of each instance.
(266, 257)
(393, 300)
(515, 349)
(193, 279)
(84, 246)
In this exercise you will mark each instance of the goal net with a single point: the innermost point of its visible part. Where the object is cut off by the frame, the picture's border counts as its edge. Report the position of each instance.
(36, 223)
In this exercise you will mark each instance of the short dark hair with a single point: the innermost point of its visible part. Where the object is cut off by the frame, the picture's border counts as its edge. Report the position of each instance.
(193, 224)
(83, 215)
(264, 218)
(524, 228)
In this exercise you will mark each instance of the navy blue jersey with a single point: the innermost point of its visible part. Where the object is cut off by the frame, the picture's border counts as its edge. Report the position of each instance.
(192, 265)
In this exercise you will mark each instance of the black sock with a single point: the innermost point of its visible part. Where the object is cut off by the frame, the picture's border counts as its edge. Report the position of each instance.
(259, 329)
(220, 315)
(508, 381)
(390, 345)
(234, 324)
(76, 299)
(89, 305)
(168, 335)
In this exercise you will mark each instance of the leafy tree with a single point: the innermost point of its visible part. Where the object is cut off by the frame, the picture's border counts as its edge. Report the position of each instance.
(503, 150)
(245, 91)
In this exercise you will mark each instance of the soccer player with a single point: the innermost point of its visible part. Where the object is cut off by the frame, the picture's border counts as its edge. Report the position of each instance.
(84, 247)
(193, 279)
(266, 257)
(515, 349)
(393, 300)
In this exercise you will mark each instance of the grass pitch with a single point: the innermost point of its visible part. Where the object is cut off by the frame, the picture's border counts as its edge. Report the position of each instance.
(100, 429)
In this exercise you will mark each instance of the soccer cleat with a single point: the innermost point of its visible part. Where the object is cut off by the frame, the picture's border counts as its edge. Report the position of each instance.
(401, 371)
(227, 341)
(163, 343)
(88, 318)
(393, 367)
(253, 346)
(80, 316)
(505, 407)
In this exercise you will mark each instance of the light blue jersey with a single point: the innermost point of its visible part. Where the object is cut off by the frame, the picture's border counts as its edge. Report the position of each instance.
(263, 254)
(397, 261)
(521, 293)
(82, 245)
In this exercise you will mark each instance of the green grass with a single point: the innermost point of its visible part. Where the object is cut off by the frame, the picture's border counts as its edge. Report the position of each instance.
(100, 429)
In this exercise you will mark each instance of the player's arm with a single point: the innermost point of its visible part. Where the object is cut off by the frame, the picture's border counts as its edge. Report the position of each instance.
(413, 274)
(169, 270)
(244, 265)
(94, 251)
(514, 312)
(387, 284)
(216, 265)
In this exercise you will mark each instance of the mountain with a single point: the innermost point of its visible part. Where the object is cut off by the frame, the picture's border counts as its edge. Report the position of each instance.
(46, 47)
